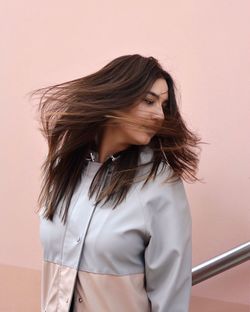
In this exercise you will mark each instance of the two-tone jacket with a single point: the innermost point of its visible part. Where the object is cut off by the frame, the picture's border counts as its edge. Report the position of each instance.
(134, 258)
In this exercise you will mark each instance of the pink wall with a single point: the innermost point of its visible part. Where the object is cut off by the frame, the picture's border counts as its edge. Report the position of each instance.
(204, 44)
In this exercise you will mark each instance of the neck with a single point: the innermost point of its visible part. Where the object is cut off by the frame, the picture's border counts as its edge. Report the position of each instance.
(109, 144)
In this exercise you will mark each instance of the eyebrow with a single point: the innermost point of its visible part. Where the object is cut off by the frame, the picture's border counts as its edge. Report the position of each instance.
(156, 95)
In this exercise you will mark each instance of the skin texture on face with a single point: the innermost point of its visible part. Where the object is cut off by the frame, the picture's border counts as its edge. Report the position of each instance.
(119, 138)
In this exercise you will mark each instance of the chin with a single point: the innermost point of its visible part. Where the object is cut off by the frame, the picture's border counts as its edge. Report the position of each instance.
(143, 139)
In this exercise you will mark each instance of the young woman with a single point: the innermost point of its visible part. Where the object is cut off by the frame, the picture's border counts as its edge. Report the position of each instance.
(115, 219)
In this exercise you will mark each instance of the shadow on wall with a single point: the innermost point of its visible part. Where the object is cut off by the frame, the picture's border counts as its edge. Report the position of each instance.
(19, 289)
(199, 304)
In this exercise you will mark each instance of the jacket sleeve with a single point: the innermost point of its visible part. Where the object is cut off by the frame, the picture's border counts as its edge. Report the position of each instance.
(168, 255)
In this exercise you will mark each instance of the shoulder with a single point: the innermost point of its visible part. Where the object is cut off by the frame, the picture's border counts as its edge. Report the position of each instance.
(166, 207)
(165, 194)
(164, 174)
(165, 189)
(164, 186)
(145, 163)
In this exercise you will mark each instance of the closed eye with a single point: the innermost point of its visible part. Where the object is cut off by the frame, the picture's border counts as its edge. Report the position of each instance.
(151, 102)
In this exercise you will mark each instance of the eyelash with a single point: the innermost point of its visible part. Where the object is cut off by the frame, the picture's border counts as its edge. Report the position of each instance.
(148, 101)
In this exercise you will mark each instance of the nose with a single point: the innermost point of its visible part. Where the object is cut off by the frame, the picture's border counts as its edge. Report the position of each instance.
(158, 114)
(157, 118)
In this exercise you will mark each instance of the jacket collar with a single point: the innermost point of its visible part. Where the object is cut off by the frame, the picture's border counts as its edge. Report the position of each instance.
(145, 155)
(94, 155)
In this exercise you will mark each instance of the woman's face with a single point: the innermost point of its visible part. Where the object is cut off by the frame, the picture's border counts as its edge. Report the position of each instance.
(150, 107)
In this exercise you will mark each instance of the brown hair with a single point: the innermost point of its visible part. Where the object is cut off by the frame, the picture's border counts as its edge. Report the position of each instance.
(74, 112)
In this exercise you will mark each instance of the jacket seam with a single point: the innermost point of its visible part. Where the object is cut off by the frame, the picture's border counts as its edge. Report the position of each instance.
(102, 273)
(89, 271)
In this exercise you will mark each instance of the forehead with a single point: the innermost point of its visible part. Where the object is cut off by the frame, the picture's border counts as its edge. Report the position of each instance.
(160, 85)
(160, 88)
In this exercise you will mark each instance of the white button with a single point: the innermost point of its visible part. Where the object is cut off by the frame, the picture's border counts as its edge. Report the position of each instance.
(80, 299)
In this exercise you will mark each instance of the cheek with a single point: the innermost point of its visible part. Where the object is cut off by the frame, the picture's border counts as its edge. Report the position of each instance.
(134, 134)
(140, 116)
(128, 130)
(140, 112)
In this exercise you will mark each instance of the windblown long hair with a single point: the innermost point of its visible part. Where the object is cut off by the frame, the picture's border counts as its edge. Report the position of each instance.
(72, 114)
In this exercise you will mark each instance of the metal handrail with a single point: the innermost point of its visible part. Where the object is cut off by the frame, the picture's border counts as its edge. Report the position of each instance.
(221, 263)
